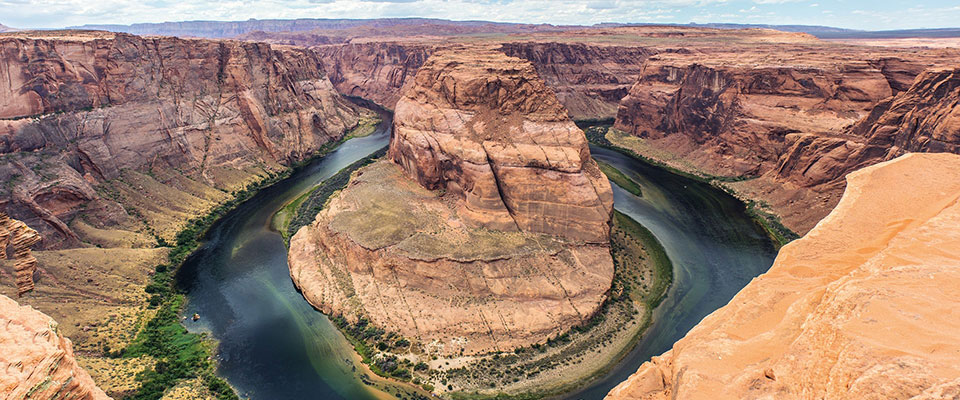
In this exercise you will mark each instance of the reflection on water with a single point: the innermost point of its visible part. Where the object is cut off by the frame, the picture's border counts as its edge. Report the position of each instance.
(715, 247)
(274, 345)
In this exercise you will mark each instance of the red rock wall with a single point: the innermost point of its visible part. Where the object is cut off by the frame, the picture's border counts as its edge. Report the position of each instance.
(84, 109)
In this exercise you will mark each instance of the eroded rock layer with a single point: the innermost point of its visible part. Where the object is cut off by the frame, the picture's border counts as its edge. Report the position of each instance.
(36, 361)
(18, 236)
(484, 127)
(388, 250)
(91, 121)
(924, 118)
(486, 229)
(792, 127)
(862, 307)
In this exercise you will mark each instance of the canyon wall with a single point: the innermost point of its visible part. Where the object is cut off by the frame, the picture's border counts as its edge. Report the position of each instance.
(37, 360)
(789, 131)
(136, 135)
(486, 230)
(589, 80)
(862, 307)
(376, 71)
(923, 118)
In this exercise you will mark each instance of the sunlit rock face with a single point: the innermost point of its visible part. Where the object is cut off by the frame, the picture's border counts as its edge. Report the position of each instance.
(36, 360)
(79, 110)
(485, 229)
(862, 307)
(484, 126)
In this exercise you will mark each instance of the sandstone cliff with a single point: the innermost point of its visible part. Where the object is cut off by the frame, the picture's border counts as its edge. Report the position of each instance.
(792, 129)
(483, 126)
(490, 231)
(376, 71)
(19, 237)
(589, 80)
(134, 134)
(924, 118)
(36, 361)
(862, 307)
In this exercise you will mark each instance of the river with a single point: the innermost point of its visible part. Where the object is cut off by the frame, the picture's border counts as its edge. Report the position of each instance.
(274, 345)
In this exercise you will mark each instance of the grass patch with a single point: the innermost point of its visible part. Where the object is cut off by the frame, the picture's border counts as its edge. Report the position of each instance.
(758, 211)
(182, 355)
(617, 177)
(663, 268)
(304, 209)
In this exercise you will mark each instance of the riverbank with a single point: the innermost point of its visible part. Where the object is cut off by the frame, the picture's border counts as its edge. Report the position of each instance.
(602, 134)
(183, 360)
(558, 364)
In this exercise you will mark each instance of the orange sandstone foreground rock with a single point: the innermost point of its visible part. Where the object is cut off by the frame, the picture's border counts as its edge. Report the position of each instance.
(36, 361)
(862, 307)
(499, 240)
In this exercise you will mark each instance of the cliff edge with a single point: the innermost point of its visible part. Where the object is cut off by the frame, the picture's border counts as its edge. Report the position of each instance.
(862, 307)
(36, 360)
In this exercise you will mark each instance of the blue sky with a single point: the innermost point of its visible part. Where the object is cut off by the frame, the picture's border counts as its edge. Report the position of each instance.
(858, 14)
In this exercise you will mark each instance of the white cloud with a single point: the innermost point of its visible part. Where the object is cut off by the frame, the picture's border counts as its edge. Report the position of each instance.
(60, 13)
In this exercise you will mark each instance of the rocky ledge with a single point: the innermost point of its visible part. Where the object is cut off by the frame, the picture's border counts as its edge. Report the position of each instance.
(862, 307)
(499, 241)
(36, 360)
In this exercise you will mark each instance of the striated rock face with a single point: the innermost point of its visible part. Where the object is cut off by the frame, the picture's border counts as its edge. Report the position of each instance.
(862, 307)
(482, 126)
(924, 118)
(798, 127)
(488, 231)
(376, 71)
(85, 109)
(735, 119)
(36, 360)
(589, 80)
(18, 236)
(390, 251)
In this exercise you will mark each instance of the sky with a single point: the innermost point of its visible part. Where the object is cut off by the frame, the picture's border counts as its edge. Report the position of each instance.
(855, 14)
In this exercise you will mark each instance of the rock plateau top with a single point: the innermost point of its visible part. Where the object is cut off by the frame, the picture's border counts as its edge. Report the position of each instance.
(488, 231)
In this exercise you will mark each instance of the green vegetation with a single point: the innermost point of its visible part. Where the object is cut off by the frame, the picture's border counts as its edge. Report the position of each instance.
(620, 179)
(182, 355)
(663, 268)
(642, 275)
(304, 209)
(366, 127)
(766, 220)
(770, 223)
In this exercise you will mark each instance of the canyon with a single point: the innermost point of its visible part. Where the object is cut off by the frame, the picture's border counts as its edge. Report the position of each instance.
(861, 307)
(487, 227)
(739, 107)
(489, 197)
(143, 134)
(112, 144)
